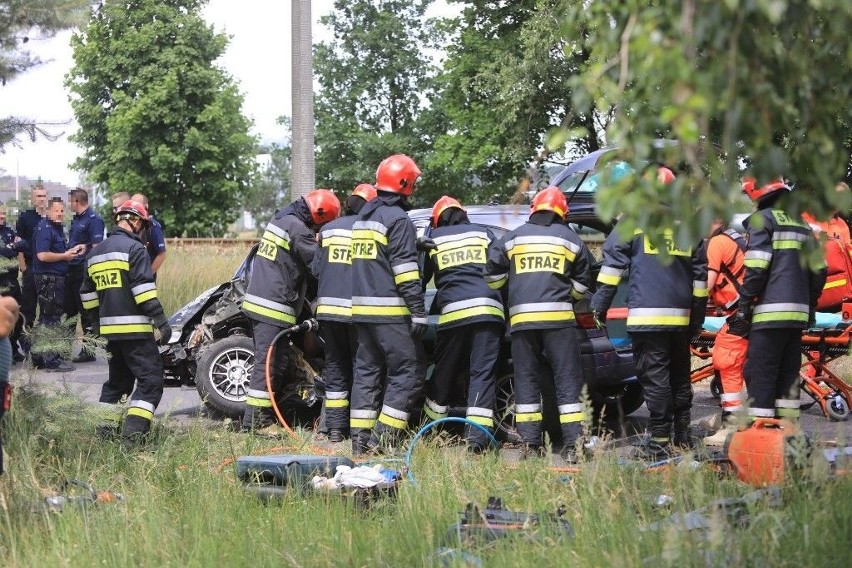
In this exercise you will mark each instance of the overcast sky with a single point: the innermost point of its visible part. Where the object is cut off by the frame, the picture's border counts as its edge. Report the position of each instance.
(258, 57)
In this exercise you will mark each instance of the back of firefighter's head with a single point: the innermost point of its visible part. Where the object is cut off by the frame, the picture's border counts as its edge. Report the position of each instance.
(448, 211)
(767, 194)
(132, 216)
(323, 205)
(550, 199)
(362, 193)
(397, 174)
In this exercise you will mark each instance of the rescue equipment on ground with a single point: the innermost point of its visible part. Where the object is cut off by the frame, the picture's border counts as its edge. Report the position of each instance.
(765, 452)
(76, 493)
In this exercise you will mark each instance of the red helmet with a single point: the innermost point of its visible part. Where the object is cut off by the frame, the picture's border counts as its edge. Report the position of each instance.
(131, 208)
(664, 175)
(365, 191)
(446, 202)
(397, 174)
(754, 192)
(324, 205)
(550, 199)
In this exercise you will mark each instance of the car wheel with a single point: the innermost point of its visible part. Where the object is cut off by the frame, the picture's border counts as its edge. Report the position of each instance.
(223, 372)
(504, 415)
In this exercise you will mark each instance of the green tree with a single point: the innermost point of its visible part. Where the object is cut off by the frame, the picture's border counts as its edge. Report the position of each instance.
(744, 86)
(271, 187)
(156, 114)
(21, 21)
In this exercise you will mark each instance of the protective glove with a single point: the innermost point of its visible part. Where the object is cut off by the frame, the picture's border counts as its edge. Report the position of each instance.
(599, 319)
(418, 327)
(739, 324)
(694, 331)
(425, 244)
(162, 324)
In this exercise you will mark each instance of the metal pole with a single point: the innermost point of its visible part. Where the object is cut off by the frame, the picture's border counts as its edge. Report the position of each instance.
(303, 173)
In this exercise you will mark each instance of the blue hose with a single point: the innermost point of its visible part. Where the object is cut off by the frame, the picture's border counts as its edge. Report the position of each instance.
(431, 425)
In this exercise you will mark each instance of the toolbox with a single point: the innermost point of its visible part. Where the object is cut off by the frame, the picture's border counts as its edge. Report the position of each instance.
(279, 471)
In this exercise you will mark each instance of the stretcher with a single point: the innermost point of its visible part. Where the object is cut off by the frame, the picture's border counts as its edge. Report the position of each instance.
(828, 340)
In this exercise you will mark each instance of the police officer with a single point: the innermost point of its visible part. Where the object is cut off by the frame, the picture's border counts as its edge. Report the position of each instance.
(275, 291)
(120, 293)
(154, 238)
(333, 269)
(51, 256)
(471, 320)
(11, 246)
(87, 229)
(388, 311)
(665, 308)
(779, 296)
(26, 227)
(545, 265)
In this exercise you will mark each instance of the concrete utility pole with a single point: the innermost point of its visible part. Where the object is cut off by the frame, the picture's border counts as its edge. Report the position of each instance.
(302, 164)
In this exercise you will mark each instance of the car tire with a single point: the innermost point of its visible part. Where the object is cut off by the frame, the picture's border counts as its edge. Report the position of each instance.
(223, 372)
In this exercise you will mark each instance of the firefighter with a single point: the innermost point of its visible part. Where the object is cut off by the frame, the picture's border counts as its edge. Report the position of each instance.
(665, 308)
(545, 266)
(725, 253)
(333, 270)
(779, 296)
(471, 320)
(119, 293)
(387, 308)
(275, 292)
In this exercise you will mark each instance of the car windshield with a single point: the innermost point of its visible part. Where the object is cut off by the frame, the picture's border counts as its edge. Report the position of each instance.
(590, 180)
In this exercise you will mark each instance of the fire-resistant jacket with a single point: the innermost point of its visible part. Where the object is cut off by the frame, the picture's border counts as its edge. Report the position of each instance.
(385, 274)
(458, 264)
(333, 269)
(279, 269)
(119, 287)
(547, 269)
(784, 289)
(660, 297)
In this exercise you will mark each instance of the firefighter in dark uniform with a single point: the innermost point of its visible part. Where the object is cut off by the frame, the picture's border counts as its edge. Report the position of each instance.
(471, 321)
(26, 228)
(545, 265)
(87, 229)
(275, 292)
(120, 292)
(388, 311)
(333, 270)
(11, 246)
(665, 308)
(779, 296)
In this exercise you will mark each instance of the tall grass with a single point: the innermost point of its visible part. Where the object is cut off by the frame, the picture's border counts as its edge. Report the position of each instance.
(189, 270)
(183, 508)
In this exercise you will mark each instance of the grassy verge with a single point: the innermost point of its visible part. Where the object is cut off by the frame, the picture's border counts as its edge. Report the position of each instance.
(183, 508)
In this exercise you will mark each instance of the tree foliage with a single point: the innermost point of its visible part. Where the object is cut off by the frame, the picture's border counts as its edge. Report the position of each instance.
(157, 116)
(744, 86)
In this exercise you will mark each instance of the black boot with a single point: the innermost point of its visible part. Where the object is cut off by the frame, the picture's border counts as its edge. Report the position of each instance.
(135, 430)
(683, 434)
(335, 435)
(256, 418)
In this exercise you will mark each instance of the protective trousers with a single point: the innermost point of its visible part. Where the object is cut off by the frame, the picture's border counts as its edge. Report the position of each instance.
(134, 361)
(662, 363)
(729, 356)
(472, 350)
(387, 357)
(258, 412)
(73, 301)
(548, 354)
(772, 371)
(51, 301)
(341, 342)
(29, 303)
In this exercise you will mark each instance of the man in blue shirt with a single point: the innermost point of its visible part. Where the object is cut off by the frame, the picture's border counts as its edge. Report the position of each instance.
(50, 266)
(27, 223)
(10, 245)
(87, 229)
(154, 240)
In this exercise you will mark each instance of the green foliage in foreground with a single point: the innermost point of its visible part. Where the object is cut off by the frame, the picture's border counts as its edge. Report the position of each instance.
(181, 510)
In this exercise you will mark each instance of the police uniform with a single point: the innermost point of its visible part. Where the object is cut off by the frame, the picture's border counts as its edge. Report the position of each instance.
(274, 296)
(87, 228)
(155, 239)
(9, 285)
(785, 293)
(26, 228)
(470, 325)
(50, 282)
(546, 269)
(120, 293)
(333, 269)
(386, 299)
(665, 303)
